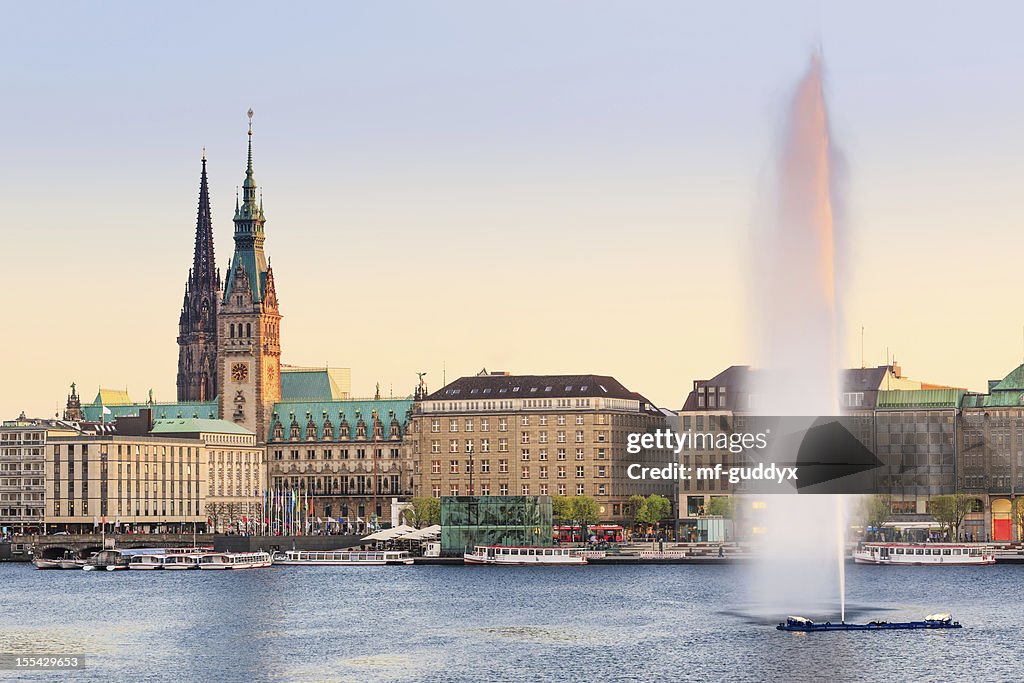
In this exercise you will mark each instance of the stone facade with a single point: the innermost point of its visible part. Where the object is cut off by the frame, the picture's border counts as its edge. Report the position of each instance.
(23, 444)
(530, 435)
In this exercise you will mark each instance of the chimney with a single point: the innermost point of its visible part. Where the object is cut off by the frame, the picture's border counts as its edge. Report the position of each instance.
(896, 369)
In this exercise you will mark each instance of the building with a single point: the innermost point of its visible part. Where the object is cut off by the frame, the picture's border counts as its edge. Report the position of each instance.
(496, 434)
(990, 459)
(347, 458)
(923, 409)
(141, 474)
(468, 521)
(23, 444)
(197, 324)
(249, 341)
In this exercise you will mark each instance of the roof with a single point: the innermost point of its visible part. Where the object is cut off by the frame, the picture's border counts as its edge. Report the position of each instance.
(112, 397)
(194, 425)
(1012, 382)
(318, 411)
(184, 409)
(919, 398)
(1006, 393)
(863, 379)
(534, 386)
(314, 384)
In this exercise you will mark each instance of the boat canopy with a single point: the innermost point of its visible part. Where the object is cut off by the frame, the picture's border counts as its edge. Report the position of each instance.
(940, 616)
(801, 620)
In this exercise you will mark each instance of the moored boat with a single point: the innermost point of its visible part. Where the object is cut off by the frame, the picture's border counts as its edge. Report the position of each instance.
(932, 621)
(178, 561)
(154, 561)
(522, 556)
(43, 563)
(346, 558)
(923, 554)
(254, 560)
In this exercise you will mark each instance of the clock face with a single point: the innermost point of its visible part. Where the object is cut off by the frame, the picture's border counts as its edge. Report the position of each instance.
(239, 372)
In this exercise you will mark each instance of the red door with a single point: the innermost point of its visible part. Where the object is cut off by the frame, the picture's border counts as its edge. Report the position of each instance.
(1002, 530)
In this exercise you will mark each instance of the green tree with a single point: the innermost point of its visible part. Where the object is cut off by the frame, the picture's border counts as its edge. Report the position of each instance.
(722, 506)
(585, 512)
(876, 510)
(638, 504)
(424, 511)
(561, 508)
(949, 511)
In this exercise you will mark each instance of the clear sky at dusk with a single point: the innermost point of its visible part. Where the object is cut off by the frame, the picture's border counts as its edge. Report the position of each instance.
(531, 187)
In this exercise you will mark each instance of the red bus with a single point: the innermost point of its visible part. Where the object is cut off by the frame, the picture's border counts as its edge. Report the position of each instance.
(612, 533)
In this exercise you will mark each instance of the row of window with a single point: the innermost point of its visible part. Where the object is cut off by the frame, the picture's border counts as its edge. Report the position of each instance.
(485, 423)
(328, 454)
(484, 489)
(467, 467)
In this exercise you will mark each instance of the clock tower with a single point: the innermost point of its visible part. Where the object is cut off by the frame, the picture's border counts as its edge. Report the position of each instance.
(249, 347)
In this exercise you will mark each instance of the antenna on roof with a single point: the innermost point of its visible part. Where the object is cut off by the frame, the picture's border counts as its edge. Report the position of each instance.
(861, 347)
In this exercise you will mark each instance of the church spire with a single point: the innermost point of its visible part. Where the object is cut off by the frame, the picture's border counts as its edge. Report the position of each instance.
(249, 219)
(204, 265)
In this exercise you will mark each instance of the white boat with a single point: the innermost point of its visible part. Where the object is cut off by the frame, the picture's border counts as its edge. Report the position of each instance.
(71, 563)
(342, 557)
(147, 562)
(522, 556)
(234, 560)
(43, 563)
(922, 554)
(179, 561)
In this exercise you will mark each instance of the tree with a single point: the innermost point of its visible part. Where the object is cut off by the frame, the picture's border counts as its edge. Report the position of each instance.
(585, 512)
(561, 508)
(876, 510)
(722, 506)
(949, 511)
(638, 504)
(1018, 511)
(423, 511)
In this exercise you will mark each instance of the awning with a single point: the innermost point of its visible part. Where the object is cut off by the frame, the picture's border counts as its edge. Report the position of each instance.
(389, 534)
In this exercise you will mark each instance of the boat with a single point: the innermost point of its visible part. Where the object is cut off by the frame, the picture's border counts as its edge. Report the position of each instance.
(522, 556)
(147, 561)
(923, 554)
(43, 563)
(116, 560)
(344, 558)
(177, 561)
(71, 563)
(254, 560)
(932, 621)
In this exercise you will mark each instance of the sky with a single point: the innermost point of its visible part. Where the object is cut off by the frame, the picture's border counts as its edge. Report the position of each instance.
(536, 187)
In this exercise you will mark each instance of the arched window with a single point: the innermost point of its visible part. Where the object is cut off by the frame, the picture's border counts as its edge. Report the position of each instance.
(248, 329)
(232, 330)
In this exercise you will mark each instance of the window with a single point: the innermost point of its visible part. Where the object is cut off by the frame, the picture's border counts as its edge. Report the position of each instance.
(485, 467)
(561, 420)
(579, 489)
(579, 436)
(469, 424)
(503, 490)
(435, 425)
(543, 454)
(600, 454)
(579, 471)
(579, 453)
(502, 424)
(561, 472)
(435, 467)
(543, 420)
(453, 425)
(561, 489)
(485, 489)
(485, 425)
(601, 471)
(485, 445)
(543, 438)
(561, 454)
(526, 472)
(526, 489)
(469, 467)
(525, 420)
(543, 471)
(435, 490)
(579, 419)
(543, 489)
(454, 489)
(525, 438)
(526, 454)
(503, 445)
(601, 490)
(503, 466)
(453, 445)
(453, 467)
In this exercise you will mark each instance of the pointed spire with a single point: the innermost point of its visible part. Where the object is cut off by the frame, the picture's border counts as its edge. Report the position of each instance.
(203, 275)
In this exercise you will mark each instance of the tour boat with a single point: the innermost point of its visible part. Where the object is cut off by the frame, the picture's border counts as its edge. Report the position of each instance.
(522, 555)
(182, 561)
(922, 554)
(343, 557)
(71, 563)
(234, 560)
(43, 563)
(932, 621)
(147, 561)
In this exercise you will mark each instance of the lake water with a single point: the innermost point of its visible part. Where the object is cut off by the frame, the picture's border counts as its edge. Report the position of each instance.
(672, 622)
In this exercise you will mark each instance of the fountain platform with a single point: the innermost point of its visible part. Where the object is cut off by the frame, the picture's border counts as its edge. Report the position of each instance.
(932, 621)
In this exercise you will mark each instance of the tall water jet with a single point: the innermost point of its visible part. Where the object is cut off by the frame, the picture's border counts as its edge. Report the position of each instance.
(797, 301)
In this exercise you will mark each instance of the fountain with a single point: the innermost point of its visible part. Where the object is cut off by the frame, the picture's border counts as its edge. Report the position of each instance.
(797, 301)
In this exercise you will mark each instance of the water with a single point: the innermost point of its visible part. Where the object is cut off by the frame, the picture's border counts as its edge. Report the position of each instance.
(797, 298)
(674, 622)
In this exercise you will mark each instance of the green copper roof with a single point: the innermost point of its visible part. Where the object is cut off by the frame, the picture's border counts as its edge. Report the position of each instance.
(315, 410)
(184, 409)
(919, 398)
(194, 425)
(1012, 382)
(309, 385)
